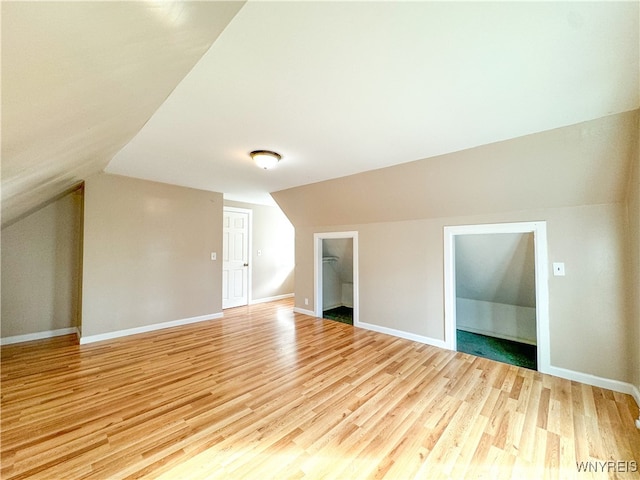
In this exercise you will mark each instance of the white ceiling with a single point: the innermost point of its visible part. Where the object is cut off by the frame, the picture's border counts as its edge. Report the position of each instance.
(335, 87)
(344, 87)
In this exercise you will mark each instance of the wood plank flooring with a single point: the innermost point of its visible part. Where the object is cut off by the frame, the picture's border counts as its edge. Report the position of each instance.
(266, 393)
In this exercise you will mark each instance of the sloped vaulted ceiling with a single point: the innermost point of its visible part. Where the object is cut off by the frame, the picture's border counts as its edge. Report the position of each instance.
(338, 88)
(583, 164)
(79, 80)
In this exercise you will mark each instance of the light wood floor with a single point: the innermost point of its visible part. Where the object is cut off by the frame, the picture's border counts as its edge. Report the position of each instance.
(266, 393)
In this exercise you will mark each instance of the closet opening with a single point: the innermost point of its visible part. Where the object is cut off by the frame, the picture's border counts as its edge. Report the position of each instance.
(496, 294)
(336, 284)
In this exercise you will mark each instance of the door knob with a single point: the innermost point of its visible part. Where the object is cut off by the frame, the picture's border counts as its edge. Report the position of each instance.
(246, 264)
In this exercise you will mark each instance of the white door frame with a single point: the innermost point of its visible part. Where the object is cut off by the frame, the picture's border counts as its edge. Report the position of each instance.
(317, 277)
(249, 212)
(539, 230)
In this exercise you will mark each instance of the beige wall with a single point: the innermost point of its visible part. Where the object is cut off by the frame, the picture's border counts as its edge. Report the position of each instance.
(41, 257)
(273, 235)
(583, 164)
(147, 250)
(633, 212)
(401, 280)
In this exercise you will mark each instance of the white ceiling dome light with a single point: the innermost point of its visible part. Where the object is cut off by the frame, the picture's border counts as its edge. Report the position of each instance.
(265, 158)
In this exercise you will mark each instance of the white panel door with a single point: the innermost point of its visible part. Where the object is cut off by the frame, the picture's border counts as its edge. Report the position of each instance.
(235, 259)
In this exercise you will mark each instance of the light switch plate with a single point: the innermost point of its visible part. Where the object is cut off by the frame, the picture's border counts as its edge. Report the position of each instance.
(558, 269)
(213, 255)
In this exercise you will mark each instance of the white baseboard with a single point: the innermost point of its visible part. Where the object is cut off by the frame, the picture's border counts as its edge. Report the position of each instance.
(304, 312)
(29, 337)
(488, 333)
(586, 378)
(406, 335)
(511, 322)
(615, 385)
(271, 299)
(147, 328)
(332, 306)
(635, 393)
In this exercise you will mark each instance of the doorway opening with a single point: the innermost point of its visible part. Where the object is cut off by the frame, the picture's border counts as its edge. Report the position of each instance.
(236, 245)
(496, 293)
(336, 276)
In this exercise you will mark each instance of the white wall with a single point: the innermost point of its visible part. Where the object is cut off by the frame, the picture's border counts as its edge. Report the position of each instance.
(273, 236)
(331, 284)
(337, 279)
(496, 267)
(511, 322)
(495, 285)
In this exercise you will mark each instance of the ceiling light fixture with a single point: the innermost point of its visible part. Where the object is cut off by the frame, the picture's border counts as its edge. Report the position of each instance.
(265, 158)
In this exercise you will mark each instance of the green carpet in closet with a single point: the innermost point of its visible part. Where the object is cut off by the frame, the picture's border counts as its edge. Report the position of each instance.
(506, 351)
(340, 314)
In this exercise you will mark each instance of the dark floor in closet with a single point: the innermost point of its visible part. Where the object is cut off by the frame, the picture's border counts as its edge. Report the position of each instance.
(507, 351)
(340, 314)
